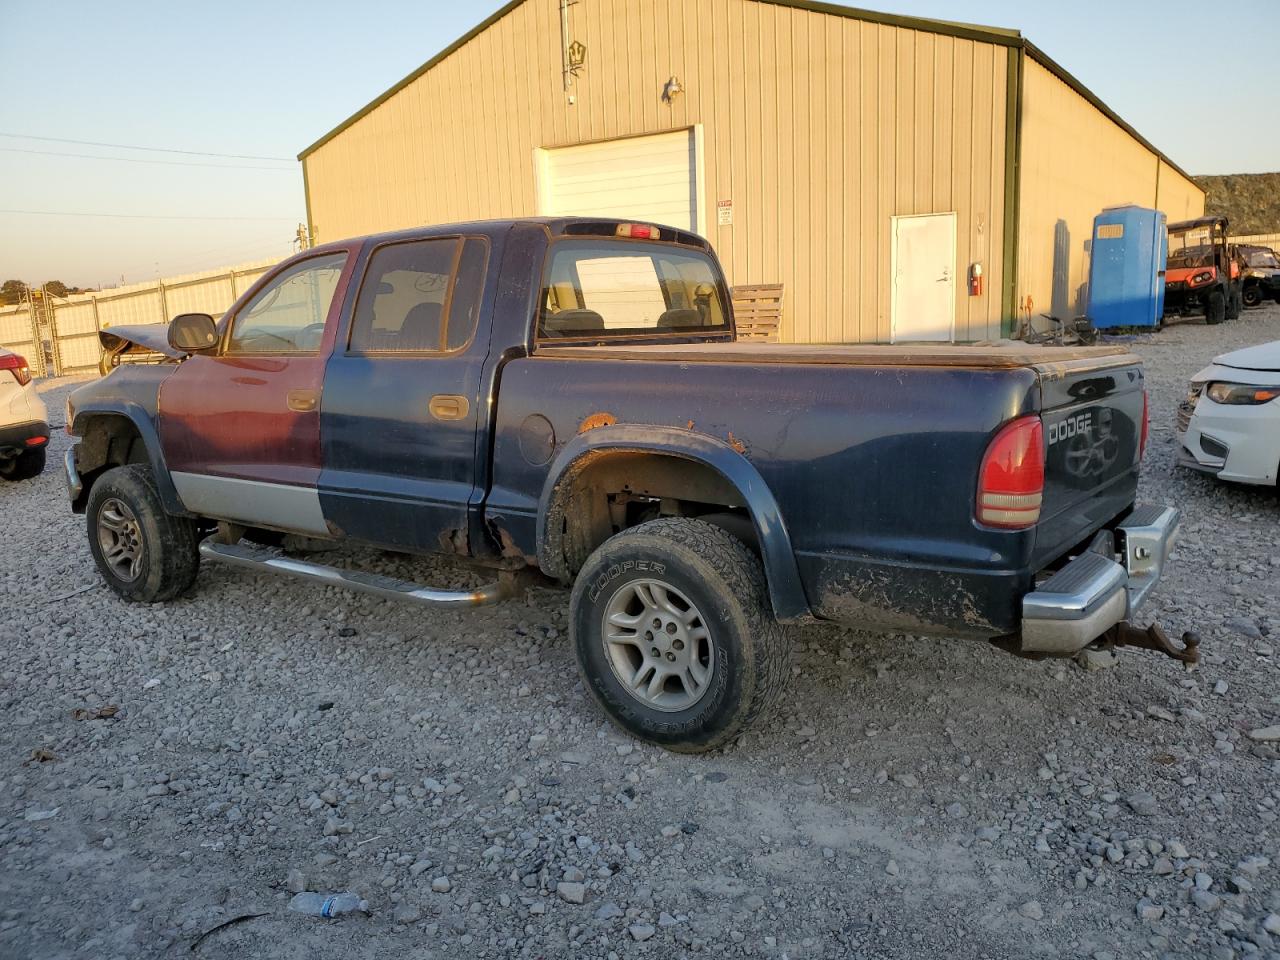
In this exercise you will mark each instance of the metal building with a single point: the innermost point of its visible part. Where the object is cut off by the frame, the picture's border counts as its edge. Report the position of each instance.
(866, 161)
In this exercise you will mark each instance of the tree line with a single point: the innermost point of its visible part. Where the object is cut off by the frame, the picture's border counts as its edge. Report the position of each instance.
(15, 291)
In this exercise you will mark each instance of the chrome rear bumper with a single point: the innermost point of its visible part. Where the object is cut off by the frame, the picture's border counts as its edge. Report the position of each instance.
(1094, 592)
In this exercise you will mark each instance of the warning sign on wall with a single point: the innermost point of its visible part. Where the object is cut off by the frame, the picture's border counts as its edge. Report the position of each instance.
(724, 213)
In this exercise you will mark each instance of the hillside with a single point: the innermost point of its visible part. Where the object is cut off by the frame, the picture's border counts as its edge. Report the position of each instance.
(1251, 201)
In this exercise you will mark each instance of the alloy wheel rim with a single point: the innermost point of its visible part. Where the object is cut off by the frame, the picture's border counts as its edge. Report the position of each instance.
(120, 539)
(658, 645)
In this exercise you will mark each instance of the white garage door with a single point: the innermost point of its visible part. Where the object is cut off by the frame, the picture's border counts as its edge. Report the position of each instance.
(653, 179)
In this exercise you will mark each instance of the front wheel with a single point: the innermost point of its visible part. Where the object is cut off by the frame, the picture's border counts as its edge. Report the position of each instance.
(1235, 304)
(1215, 310)
(674, 634)
(144, 553)
(1252, 295)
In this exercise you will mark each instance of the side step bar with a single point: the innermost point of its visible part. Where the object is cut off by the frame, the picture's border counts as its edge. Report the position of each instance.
(268, 560)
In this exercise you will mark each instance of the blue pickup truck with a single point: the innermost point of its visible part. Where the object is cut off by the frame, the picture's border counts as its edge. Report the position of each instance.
(564, 398)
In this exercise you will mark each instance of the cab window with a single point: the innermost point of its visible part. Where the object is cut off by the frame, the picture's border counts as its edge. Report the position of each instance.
(288, 315)
(595, 288)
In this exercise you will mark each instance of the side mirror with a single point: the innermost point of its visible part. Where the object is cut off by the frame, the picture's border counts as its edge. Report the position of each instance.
(193, 333)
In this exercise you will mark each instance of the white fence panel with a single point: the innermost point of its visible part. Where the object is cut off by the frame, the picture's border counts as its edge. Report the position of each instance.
(76, 337)
(1271, 240)
(212, 295)
(140, 306)
(78, 318)
(17, 334)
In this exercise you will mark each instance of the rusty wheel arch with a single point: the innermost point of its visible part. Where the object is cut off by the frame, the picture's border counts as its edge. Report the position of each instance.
(697, 473)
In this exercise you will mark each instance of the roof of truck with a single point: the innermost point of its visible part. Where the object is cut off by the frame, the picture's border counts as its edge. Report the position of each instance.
(555, 226)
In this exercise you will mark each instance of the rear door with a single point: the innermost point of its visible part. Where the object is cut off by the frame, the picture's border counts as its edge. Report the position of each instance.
(402, 402)
(240, 429)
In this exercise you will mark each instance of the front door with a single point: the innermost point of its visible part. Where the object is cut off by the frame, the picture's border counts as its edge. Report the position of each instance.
(240, 429)
(401, 403)
(924, 278)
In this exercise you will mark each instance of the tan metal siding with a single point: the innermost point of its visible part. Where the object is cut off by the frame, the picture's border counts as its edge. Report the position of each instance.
(1076, 161)
(819, 128)
(1180, 197)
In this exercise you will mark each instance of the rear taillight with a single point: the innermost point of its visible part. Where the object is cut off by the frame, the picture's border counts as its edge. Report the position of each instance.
(17, 366)
(1011, 484)
(1146, 426)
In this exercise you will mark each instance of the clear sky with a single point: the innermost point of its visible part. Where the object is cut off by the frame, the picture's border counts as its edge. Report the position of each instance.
(265, 79)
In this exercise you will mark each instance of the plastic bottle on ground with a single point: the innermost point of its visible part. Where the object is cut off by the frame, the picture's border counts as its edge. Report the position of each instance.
(327, 904)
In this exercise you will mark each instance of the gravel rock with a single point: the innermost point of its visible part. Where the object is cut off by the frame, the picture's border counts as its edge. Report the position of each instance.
(571, 892)
(641, 932)
(405, 913)
(608, 911)
(1032, 910)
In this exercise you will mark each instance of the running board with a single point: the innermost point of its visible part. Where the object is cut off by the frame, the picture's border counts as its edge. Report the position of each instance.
(268, 560)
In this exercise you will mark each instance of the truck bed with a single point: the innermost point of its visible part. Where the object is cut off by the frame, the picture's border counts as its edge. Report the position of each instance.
(1045, 360)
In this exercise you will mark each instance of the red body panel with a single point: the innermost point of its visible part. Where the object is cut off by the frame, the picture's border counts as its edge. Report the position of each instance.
(230, 416)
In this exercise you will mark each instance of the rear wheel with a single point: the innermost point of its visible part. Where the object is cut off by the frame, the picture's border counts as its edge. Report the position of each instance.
(674, 635)
(28, 464)
(1215, 310)
(144, 553)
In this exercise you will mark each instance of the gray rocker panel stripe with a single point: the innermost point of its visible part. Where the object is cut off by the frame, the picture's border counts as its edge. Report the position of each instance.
(252, 501)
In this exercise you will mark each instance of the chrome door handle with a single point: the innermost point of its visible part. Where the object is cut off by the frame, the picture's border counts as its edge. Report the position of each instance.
(448, 406)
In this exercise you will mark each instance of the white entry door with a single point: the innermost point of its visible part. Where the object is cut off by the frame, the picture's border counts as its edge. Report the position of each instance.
(651, 178)
(924, 278)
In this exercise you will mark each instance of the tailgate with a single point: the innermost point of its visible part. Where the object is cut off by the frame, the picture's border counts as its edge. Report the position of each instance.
(1093, 421)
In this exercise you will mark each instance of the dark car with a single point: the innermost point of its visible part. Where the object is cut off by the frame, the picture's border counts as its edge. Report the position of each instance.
(566, 397)
(1261, 275)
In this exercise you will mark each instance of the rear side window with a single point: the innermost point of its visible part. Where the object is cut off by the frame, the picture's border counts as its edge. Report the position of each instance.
(598, 288)
(420, 297)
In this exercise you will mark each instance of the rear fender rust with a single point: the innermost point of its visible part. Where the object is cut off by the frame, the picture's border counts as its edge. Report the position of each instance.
(507, 544)
(455, 542)
(559, 498)
(596, 420)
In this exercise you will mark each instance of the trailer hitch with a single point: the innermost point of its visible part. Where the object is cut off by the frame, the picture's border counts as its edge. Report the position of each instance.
(1124, 634)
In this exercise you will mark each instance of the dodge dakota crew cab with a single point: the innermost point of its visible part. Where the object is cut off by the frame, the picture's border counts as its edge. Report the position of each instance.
(564, 398)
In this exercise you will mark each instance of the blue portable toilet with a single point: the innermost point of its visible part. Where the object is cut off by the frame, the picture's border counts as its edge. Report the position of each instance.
(1126, 270)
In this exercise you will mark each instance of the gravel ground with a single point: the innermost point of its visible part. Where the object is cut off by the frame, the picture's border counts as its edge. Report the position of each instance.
(914, 798)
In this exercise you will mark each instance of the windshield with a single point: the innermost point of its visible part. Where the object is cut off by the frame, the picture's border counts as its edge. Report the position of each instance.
(1263, 258)
(598, 288)
(1189, 256)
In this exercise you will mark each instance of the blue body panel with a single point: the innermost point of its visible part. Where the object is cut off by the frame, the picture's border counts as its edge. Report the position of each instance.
(1126, 268)
(872, 471)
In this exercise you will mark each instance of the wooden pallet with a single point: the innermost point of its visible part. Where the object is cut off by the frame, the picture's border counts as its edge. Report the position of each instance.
(757, 312)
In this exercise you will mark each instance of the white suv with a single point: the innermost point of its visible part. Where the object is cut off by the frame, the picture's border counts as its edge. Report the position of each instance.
(24, 422)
